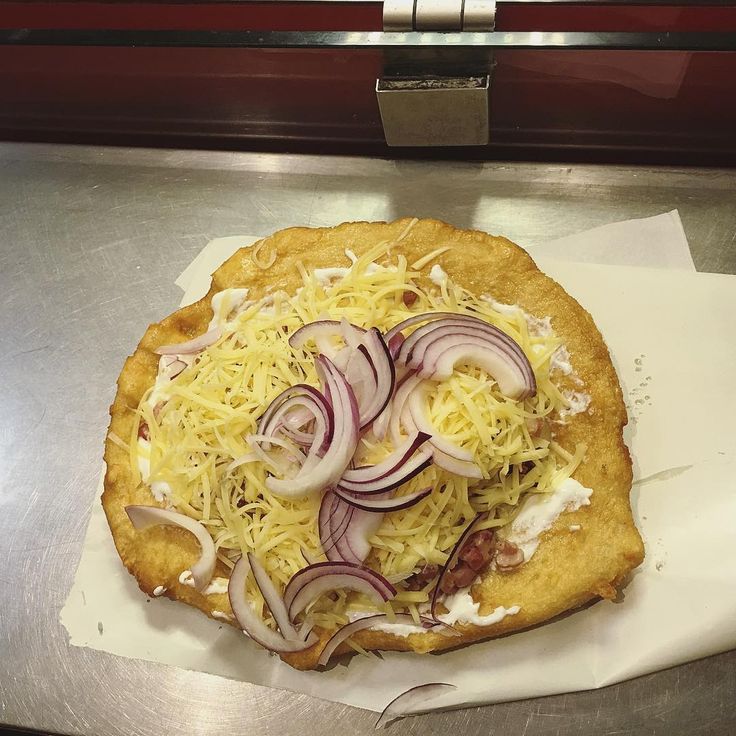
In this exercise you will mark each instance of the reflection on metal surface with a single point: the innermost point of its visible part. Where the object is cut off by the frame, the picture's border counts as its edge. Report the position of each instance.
(443, 111)
(92, 241)
(675, 41)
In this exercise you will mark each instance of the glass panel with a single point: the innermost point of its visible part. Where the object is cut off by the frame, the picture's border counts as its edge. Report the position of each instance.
(594, 102)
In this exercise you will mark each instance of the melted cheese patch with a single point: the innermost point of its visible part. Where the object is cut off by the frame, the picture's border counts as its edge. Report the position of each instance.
(200, 420)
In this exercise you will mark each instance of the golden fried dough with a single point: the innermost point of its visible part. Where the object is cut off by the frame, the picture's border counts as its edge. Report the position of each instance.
(566, 571)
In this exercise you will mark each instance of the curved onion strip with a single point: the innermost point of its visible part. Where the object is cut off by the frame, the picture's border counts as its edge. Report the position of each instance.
(311, 582)
(195, 345)
(376, 353)
(406, 703)
(416, 403)
(144, 516)
(251, 622)
(452, 560)
(355, 545)
(391, 335)
(394, 343)
(273, 599)
(388, 465)
(383, 505)
(305, 402)
(457, 349)
(321, 331)
(335, 517)
(451, 464)
(328, 469)
(433, 350)
(403, 474)
(366, 623)
(397, 410)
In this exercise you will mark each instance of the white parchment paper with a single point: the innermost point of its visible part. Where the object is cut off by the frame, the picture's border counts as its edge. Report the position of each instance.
(666, 331)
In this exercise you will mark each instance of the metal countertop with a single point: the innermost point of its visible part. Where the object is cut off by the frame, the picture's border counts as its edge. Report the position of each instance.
(91, 240)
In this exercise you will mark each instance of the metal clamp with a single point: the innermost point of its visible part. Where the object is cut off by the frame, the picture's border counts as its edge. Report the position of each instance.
(424, 99)
(442, 111)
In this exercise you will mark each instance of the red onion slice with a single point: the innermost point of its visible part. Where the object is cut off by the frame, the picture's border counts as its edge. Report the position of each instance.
(406, 703)
(366, 622)
(322, 331)
(328, 469)
(355, 544)
(451, 464)
(311, 582)
(403, 474)
(392, 336)
(378, 357)
(251, 622)
(334, 519)
(143, 517)
(388, 465)
(195, 345)
(435, 348)
(452, 560)
(383, 505)
(293, 407)
(273, 599)
(397, 410)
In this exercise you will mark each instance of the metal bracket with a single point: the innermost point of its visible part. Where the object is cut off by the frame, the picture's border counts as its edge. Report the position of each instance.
(425, 97)
(445, 111)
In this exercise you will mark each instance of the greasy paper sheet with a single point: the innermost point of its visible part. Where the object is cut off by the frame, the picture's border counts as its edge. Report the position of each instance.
(675, 609)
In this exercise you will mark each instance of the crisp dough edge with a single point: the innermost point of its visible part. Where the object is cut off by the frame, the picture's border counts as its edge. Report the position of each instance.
(567, 570)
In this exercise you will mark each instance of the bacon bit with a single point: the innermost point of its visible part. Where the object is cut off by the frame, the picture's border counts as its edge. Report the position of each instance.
(143, 432)
(409, 298)
(508, 555)
(157, 409)
(478, 550)
(474, 557)
(420, 580)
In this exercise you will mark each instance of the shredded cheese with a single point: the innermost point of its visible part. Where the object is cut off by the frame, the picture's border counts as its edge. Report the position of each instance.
(199, 421)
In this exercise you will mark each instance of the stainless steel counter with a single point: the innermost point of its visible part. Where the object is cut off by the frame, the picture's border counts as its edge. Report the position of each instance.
(91, 240)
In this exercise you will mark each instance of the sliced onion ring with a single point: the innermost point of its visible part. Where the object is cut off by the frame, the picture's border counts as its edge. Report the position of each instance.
(406, 703)
(252, 623)
(328, 469)
(404, 473)
(366, 622)
(273, 599)
(195, 345)
(385, 504)
(311, 582)
(143, 517)
(452, 559)
(334, 518)
(434, 348)
(392, 335)
(369, 473)
(321, 331)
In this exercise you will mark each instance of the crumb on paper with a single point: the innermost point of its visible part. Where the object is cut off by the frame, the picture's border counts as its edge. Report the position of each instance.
(100, 627)
(659, 565)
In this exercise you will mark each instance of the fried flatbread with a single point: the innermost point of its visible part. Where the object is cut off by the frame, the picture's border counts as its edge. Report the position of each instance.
(567, 570)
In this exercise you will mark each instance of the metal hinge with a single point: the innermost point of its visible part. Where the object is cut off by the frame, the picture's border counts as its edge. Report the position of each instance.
(422, 102)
